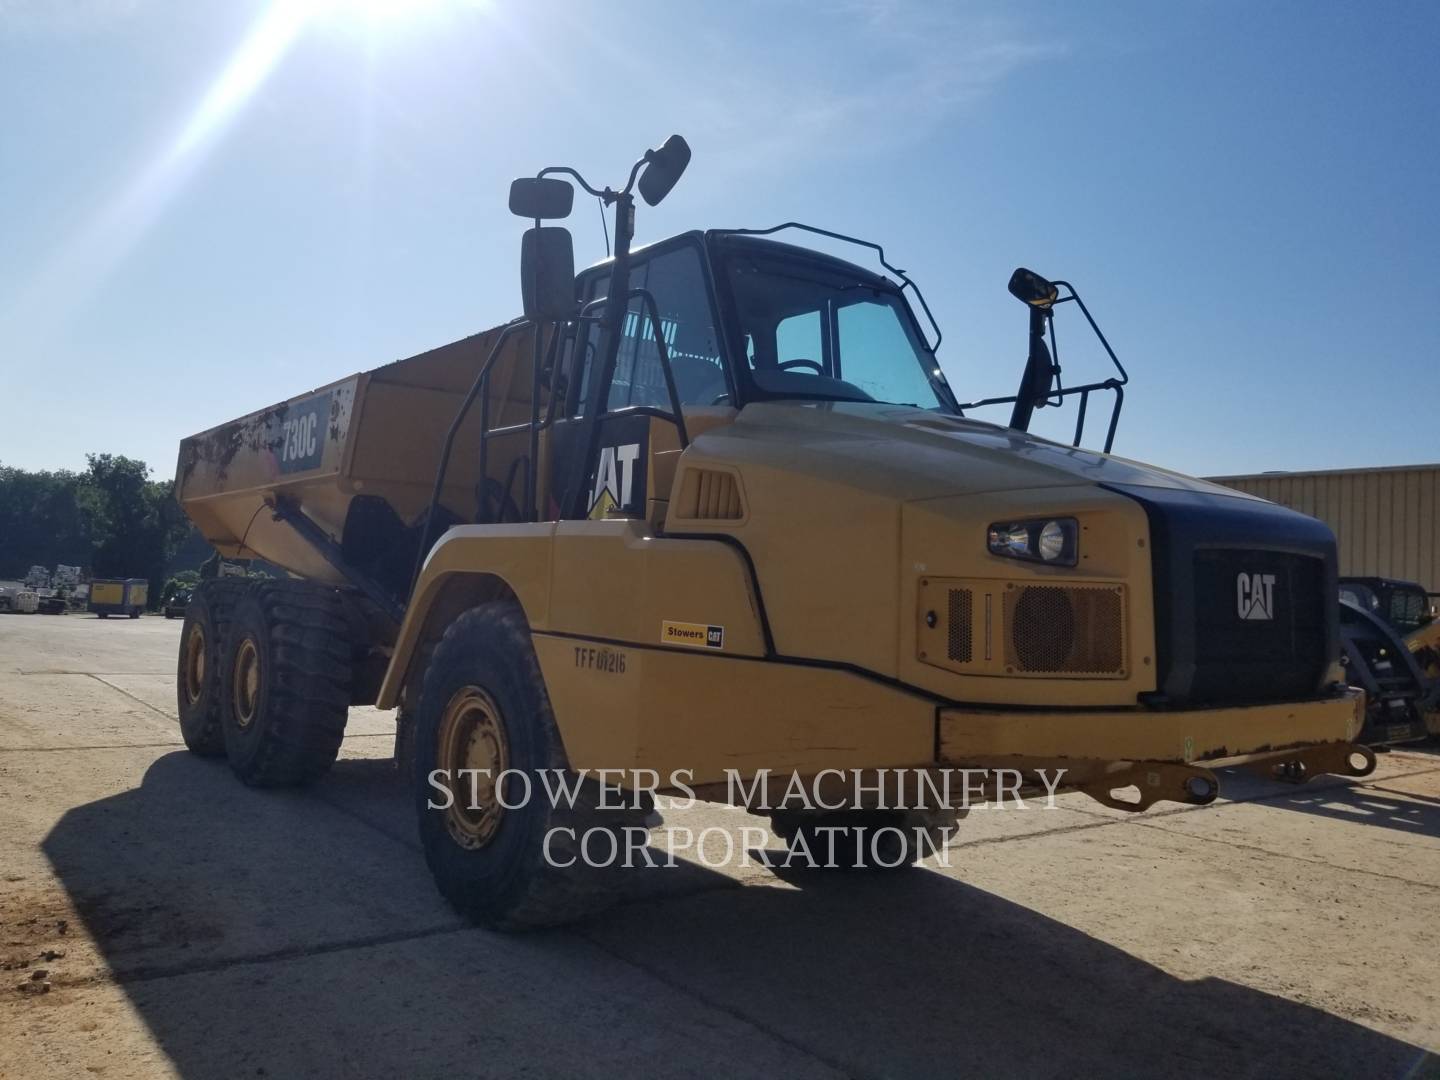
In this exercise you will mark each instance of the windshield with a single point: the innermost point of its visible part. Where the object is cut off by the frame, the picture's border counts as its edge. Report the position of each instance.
(815, 330)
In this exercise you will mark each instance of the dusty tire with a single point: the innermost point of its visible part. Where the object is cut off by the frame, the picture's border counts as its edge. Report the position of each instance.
(483, 692)
(285, 683)
(197, 674)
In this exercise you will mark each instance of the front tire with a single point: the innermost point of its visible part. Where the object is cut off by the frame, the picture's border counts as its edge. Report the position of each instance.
(484, 706)
(286, 683)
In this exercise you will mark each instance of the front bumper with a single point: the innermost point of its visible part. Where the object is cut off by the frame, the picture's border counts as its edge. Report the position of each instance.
(1165, 755)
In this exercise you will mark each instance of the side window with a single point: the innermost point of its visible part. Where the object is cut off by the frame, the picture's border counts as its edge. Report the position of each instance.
(687, 326)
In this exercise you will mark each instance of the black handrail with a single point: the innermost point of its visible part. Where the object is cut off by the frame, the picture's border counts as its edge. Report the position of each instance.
(676, 416)
(481, 380)
(879, 254)
(1056, 396)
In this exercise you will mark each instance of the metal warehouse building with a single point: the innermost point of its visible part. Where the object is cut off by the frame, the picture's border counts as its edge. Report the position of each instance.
(1387, 520)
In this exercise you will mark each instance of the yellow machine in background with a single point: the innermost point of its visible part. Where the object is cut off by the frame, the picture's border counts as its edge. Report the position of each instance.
(118, 596)
(712, 509)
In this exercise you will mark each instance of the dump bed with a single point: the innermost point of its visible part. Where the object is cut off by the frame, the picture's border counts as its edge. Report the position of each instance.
(365, 445)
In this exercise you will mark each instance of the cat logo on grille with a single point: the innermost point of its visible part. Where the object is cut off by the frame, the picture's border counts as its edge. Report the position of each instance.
(1255, 596)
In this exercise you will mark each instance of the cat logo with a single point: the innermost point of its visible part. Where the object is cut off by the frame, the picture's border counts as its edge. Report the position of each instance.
(614, 480)
(1255, 596)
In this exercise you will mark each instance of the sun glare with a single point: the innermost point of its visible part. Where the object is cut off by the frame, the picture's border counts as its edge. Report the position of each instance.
(88, 256)
(384, 11)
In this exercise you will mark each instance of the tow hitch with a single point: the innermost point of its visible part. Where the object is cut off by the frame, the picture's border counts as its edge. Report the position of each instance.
(1157, 781)
(1298, 766)
(1198, 786)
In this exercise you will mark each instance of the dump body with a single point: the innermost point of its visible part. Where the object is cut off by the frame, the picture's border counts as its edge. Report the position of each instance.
(376, 434)
(119, 596)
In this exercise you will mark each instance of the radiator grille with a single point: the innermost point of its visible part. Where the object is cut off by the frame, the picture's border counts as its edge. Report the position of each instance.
(961, 626)
(1277, 656)
(711, 495)
(1071, 629)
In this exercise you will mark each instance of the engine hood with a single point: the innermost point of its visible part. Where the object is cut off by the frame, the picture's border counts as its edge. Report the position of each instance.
(912, 454)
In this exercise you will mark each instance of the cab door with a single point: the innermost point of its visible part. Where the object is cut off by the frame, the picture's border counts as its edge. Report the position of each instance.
(637, 425)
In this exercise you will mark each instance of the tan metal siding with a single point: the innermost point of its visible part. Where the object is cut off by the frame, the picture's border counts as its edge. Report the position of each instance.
(1386, 521)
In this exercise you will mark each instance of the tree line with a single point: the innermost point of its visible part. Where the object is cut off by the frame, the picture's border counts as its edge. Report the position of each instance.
(112, 519)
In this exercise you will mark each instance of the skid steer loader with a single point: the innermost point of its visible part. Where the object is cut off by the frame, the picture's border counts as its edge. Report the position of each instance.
(1390, 648)
(710, 511)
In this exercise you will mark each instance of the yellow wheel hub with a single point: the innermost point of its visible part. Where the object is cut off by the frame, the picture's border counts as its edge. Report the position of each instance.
(245, 685)
(472, 737)
(194, 680)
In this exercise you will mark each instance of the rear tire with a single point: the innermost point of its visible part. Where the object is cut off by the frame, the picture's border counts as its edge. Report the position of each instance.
(197, 677)
(484, 706)
(285, 683)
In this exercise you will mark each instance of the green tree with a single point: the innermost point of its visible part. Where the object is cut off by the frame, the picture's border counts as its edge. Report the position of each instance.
(41, 522)
(135, 521)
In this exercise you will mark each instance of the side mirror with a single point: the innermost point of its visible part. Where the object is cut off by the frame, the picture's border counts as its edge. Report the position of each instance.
(663, 168)
(541, 197)
(547, 273)
(1030, 288)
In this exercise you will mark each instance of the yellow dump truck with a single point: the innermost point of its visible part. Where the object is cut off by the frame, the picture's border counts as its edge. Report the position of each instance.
(711, 510)
(118, 596)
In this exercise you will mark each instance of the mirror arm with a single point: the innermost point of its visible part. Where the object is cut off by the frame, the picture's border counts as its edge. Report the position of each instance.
(551, 169)
(635, 171)
(1025, 400)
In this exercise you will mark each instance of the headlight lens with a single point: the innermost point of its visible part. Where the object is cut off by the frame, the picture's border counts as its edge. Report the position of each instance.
(1054, 541)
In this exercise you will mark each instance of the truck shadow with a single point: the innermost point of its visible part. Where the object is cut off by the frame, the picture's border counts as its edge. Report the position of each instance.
(288, 934)
(1368, 801)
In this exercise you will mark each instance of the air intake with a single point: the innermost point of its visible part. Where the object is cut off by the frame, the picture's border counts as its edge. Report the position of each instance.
(961, 626)
(1069, 629)
(710, 495)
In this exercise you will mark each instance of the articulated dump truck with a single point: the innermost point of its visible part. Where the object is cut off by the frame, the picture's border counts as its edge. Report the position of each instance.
(710, 510)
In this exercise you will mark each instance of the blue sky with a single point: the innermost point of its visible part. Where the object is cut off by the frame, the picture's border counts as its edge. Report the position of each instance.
(205, 208)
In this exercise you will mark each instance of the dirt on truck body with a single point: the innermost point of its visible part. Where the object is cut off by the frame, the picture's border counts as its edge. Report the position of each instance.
(710, 512)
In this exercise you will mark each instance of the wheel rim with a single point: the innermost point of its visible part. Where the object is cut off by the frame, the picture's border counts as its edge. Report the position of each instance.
(472, 736)
(246, 683)
(194, 663)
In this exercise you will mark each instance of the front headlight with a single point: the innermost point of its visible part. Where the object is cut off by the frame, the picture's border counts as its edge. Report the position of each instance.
(1053, 541)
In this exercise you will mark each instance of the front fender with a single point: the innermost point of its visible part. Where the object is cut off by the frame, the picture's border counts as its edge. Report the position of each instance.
(468, 565)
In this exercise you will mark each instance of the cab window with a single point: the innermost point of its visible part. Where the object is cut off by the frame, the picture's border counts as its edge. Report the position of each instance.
(687, 326)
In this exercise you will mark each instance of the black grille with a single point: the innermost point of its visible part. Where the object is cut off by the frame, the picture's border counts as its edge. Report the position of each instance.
(1260, 625)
